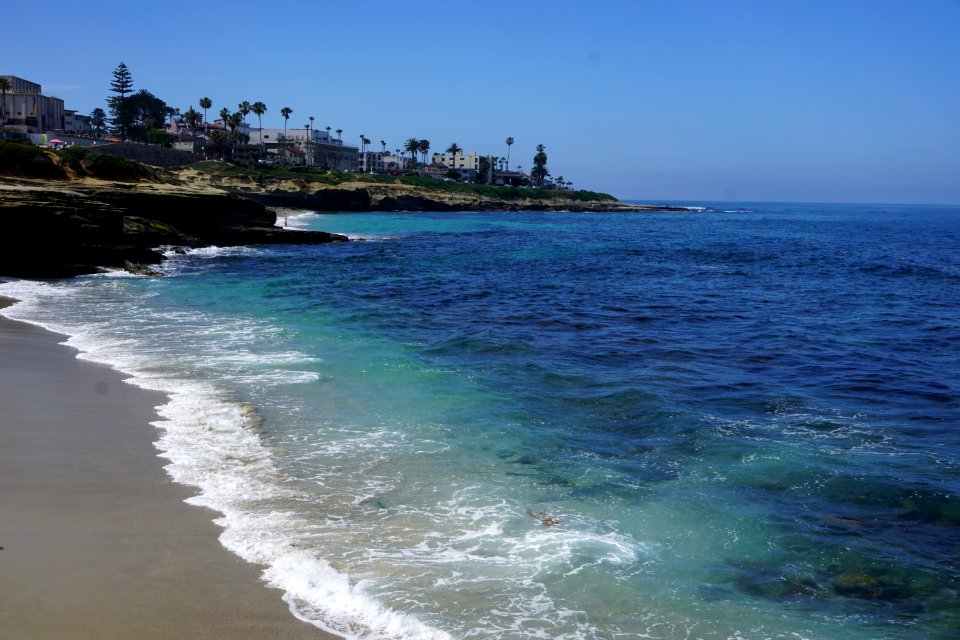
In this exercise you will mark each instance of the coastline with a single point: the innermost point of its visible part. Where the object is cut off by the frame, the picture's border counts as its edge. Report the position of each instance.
(97, 542)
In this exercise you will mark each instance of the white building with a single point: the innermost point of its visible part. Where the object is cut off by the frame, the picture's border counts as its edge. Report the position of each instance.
(322, 149)
(463, 161)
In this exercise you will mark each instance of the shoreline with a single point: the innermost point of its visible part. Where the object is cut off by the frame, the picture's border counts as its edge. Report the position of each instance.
(96, 541)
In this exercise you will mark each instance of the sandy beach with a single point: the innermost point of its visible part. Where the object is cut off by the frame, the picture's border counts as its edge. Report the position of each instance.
(95, 540)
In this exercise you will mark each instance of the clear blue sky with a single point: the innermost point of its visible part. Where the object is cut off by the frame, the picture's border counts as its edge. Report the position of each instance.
(831, 101)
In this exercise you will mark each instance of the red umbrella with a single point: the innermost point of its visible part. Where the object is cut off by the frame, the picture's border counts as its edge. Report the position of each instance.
(56, 141)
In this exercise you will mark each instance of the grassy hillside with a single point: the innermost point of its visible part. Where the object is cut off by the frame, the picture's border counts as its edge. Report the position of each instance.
(28, 161)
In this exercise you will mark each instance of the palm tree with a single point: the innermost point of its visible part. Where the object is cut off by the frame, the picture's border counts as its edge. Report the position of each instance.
(363, 153)
(5, 85)
(244, 108)
(413, 146)
(190, 117)
(383, 146)
(285, 112)
(539, 170)
(367, 141)
(339, 149)
(560, 182)
(454, 149)
(509, 144)
(233, 121)
(98, 119)
(424, 147)
(259, 108)
(205, 103)
(224, 116)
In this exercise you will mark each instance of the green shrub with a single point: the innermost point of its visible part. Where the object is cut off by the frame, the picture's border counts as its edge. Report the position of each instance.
(27, 161)
(109, 167)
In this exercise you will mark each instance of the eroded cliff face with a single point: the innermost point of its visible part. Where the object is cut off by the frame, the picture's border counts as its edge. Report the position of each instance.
(56, 229)
(317, 195)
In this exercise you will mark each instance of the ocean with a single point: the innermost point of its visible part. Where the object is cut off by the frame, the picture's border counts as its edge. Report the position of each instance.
(738, 421)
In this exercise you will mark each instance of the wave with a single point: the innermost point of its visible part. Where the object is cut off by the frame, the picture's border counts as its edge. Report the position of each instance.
(211, 442)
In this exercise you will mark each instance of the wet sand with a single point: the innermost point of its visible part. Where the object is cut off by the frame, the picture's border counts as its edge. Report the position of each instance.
(97, 543)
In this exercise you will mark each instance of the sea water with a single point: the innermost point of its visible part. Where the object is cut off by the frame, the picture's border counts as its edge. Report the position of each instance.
(738, 421)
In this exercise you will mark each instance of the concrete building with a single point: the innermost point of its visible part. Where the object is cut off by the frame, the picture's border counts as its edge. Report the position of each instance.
(27, 110)
(380, 162)
(76, 123)
(463, 161)
(321, 148)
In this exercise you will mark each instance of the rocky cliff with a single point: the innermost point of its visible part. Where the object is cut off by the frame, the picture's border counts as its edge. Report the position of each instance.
(56, 229)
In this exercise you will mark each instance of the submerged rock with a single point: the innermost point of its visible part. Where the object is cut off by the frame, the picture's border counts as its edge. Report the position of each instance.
(139, 269)
(858, 585)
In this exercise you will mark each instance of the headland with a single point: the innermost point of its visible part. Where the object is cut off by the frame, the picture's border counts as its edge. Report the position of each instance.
(76, 211)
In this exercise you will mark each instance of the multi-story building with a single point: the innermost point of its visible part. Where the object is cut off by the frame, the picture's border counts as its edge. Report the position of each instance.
(26, 109)
(380, 162)
(76, 123)
(321, 148)
(462, 161)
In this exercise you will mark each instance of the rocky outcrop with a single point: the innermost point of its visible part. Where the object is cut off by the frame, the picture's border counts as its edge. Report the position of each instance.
(322, 200)
(57, 229)
(351, 192)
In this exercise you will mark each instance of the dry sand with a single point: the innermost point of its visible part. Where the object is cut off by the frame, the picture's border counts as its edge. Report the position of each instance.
(97, 541)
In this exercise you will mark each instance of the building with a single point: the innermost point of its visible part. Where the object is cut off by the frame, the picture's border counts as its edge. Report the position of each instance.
(27, 110)
(463, 161)
(380, 162)
(321, 148)
(76, 123)
(435, 170)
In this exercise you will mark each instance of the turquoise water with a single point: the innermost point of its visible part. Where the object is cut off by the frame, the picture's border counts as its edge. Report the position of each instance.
(735, 423)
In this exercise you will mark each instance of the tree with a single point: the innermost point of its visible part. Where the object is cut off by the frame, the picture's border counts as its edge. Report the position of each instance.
(424, 148)
(244, 109)
(205, 103)
(339, 149)
(121, 85)
(190, 117)
(233, 121)
(366, 141)
(145, 112)
(259, 108)
(484, 169)
(509, 144)
(454, 149)
(5, 85)
(98, 119)
(539, 171)
(285, 112)
(413, 146)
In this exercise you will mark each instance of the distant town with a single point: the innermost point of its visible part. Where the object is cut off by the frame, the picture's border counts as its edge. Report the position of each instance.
(28, 115)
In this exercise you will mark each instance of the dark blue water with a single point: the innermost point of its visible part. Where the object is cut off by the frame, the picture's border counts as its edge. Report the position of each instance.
(746, 419)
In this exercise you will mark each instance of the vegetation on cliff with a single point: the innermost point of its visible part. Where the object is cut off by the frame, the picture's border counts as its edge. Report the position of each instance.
(27, 161)
(423, 184)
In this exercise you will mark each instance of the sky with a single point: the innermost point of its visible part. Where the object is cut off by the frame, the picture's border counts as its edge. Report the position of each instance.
(691, 100)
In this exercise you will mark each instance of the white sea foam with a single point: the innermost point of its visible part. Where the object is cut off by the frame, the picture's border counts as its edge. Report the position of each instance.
(206, 437)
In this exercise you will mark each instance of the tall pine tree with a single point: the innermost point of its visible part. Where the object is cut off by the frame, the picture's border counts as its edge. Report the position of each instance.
(122, 116)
